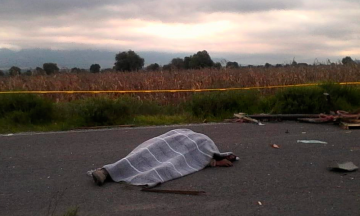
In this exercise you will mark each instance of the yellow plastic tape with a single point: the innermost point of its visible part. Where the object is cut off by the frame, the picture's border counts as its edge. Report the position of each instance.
(169, 91)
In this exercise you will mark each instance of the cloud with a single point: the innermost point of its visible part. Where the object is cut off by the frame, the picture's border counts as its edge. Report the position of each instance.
(158, 9)
(304, 27)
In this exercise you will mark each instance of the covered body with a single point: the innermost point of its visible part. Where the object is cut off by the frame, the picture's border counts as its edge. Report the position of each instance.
(169, 156)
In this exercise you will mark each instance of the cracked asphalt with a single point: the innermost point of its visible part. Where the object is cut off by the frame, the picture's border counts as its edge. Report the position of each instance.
(45, 173)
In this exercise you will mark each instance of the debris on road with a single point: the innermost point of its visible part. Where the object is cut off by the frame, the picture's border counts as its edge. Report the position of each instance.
(345, 119)
(275, 146)
(312, 141)
(281, 117)
(8, 135)
(244, 118)
(347, 126)
(259, 203)
(174, 191)
(315, 120)
(355, 149)
(344, 167)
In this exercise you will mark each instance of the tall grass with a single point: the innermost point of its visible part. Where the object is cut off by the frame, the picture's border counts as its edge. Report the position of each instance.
(225, 104)
(100, 111)
(26, 109)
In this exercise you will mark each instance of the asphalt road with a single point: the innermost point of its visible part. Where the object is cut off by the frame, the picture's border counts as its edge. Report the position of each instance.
(41, 171)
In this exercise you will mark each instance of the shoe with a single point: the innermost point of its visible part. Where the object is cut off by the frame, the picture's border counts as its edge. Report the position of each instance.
(100, 176)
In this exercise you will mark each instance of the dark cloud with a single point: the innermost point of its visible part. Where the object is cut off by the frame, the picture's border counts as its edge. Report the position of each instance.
(156, 9)
(29, 8)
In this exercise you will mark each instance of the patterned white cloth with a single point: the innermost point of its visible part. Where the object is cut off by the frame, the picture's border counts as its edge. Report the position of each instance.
(169, 156)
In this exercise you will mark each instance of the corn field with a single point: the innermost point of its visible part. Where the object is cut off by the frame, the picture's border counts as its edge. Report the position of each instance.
(187, 79)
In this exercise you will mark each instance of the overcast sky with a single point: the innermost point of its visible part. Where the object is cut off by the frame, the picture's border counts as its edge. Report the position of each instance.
(302, 28)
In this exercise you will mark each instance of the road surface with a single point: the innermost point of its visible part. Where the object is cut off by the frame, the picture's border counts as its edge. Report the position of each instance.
(42, 173)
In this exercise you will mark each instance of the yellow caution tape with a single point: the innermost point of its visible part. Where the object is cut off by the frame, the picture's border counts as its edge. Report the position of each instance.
(170, 91)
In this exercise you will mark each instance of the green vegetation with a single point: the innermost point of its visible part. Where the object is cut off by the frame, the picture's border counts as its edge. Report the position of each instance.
(24, 109)
(224, 104)
(95, 68)
(50, 68)
(300, 100)
(14, 71)
(33, 113)
(72, 212)
(128, 61)
(199, 60)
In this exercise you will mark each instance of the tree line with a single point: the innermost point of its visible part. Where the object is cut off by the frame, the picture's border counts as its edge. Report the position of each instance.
(128, 61)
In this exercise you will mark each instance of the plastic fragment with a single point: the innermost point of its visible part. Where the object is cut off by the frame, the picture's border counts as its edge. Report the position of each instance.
(312, 141)
(344, 167)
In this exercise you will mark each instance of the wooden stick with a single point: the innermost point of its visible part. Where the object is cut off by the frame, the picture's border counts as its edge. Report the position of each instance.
(284, 116)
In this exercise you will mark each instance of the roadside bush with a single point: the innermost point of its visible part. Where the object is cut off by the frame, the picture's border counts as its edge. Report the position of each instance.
(26, 109)
(224, 104)
(343, 97)
(105, 111)
(142, 107)
(100, 111)
(300, 101)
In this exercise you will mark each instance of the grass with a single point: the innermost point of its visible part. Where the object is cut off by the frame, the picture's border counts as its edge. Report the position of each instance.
(72, 212)
(20, 113)
(144, 120)
(224, 104)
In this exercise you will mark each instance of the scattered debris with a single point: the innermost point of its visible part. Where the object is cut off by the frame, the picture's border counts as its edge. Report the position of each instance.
(275, 146)
(355, 149)
(315, 120)
(345, 119)
(347, 126)
(312, 141)
(242, 118)
(281, 117)
(260, 203)
(348, 117)
(344, 167)
(174, 191)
